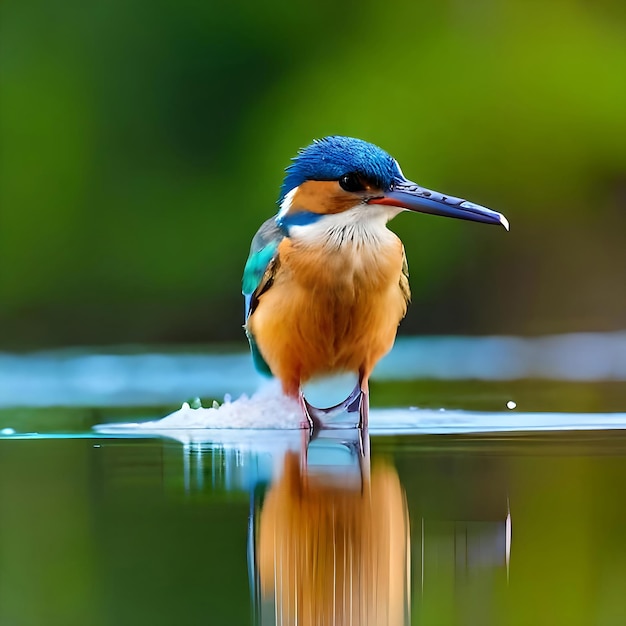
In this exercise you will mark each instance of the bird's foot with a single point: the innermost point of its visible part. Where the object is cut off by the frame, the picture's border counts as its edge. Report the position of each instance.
(353, 412)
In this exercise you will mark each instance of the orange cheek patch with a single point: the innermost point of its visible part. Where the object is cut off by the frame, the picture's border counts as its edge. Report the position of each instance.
(323, 197)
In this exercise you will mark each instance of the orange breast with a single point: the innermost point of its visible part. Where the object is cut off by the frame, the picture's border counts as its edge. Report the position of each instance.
(330, 310)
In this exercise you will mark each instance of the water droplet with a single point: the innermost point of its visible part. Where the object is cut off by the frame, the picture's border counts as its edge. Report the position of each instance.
(511, 405)
(195, 403)
(7, 431)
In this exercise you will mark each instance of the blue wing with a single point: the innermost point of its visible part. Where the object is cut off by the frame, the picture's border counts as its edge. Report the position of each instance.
(258, 277)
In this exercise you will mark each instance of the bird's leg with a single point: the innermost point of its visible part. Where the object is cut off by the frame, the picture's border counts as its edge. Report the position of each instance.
(309, 422)
(364, 407)
(308, 426)
(342, 415)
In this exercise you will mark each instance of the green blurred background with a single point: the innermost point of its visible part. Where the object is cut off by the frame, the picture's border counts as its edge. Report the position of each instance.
(142, 143)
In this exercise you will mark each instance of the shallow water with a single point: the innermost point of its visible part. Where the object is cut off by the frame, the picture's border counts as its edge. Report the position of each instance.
(506, 528)
(467, 512)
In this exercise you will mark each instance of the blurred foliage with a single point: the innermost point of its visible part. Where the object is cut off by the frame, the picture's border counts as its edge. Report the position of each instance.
(142, 143)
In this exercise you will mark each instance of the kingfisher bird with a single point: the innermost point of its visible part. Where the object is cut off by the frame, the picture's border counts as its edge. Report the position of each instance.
(326, 282)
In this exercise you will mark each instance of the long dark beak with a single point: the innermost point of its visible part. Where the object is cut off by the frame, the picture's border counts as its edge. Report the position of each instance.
(407, 195)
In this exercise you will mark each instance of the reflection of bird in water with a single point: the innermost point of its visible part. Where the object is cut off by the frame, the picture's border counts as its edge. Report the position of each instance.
(334, 554)
(326, 282)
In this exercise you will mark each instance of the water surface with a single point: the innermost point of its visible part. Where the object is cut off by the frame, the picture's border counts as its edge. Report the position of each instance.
(155, 531)
(467, 512)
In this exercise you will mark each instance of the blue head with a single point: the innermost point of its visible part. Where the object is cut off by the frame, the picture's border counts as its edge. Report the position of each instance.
(332, 157)
(338, 174)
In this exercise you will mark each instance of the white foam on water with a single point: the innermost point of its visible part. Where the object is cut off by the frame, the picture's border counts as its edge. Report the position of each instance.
(268, 408)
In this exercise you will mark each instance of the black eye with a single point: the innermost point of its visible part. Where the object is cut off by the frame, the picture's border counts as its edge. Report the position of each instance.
(351, 182)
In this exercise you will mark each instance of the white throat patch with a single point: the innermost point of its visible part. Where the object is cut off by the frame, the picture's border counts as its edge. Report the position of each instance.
(362, 225)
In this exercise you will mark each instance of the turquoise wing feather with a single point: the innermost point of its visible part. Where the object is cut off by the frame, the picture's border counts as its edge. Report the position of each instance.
(258, 277)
